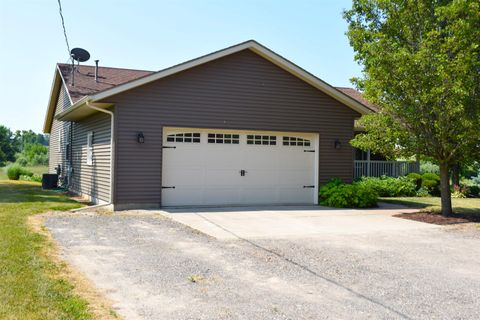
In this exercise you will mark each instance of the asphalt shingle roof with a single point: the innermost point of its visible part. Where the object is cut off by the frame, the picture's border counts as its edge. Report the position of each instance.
(84, 81)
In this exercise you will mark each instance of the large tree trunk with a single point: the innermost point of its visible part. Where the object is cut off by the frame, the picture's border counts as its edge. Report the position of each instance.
(445, 190)
(456, 176)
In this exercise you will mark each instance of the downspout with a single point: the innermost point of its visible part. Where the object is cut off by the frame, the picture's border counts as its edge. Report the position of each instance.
(112, 149)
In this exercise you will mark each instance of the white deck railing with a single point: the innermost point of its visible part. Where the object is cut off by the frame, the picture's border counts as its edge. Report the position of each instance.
(365, 168)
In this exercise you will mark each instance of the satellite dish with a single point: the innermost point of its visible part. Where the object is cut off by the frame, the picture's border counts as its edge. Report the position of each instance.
(79, 54)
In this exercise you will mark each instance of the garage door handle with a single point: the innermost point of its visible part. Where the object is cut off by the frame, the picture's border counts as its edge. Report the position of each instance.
(309, 186)
(168, 187)
(308, 150)
(242, 173)
(167, 147)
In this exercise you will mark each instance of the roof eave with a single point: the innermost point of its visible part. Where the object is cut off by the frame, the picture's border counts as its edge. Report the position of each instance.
(54, 93)
(80, 110)
(53, 97)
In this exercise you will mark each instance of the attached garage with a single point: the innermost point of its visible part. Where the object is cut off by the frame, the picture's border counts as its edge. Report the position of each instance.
(240, 126)
(219, 167)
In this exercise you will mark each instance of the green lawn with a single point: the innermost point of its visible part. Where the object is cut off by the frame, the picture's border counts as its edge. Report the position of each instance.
(30, 285)
(460, 206)
(39, 170)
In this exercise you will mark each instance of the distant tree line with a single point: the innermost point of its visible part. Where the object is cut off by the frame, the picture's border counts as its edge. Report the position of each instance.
(24, 147)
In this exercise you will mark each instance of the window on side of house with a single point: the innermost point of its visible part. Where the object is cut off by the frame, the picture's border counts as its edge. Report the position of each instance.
(90, 148)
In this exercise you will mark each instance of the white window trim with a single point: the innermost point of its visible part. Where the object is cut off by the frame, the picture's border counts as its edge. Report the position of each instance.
(90, 148)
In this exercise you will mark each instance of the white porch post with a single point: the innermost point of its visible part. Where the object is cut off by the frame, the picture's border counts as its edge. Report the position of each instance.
(368, 163)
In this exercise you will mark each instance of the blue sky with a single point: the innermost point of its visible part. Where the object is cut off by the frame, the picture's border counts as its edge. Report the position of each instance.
(153, 35)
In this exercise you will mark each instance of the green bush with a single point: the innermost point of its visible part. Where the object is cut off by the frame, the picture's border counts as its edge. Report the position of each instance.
(21, 160)
(431, 176)
(473, 191)
(428, 167)
(472, 187)
(14, 172)
(389, 187)
(431, 182)
(417, 178)
(422, 192)
(458, 194)
(340, 195)
(34, 177)
(33, 154)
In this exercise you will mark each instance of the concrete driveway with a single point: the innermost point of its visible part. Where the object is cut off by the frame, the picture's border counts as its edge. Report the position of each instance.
(153, 267)
(283, 222)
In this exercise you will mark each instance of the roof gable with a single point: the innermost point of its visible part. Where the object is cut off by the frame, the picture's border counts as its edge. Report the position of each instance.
(112, 81)
(256, 48)
(85, 84)
(84, 79)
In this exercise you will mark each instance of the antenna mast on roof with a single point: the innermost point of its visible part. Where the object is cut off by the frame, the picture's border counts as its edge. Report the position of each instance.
(79, 55)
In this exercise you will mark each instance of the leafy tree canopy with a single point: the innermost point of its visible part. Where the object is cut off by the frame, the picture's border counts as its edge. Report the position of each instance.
(24, 144)
(7, 149)
(421, 66)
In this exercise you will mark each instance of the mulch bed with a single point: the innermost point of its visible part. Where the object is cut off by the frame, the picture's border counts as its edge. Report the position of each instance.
(436, 218)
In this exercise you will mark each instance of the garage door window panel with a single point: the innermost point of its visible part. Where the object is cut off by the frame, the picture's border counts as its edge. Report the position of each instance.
(296, 141)
(188, 137)
(223, 138)
(261, 140)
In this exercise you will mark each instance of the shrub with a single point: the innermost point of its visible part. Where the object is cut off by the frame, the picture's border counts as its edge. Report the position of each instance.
(431, 176)
(14, 172)
(422, 192)
(417, 178)
(431, 182)
(21, 160)
(35, 178)
(340, 195)
(33, 154)
(428, 167)
(459, 192)
(474, 191)
(473, 188)
(389, 187)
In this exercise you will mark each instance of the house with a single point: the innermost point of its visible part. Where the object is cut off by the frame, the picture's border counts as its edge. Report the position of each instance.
(242, 125)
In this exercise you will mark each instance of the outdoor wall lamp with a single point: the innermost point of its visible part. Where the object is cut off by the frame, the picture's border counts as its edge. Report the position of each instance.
(337, 144)
(140, 137)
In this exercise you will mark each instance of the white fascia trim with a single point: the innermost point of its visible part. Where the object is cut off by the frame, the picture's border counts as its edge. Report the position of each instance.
(52, 104)
(255, 47)
(65, 84)
(47, 126)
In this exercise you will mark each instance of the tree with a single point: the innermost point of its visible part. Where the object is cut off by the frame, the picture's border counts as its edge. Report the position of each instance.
(7, 150)
(33, 154)
(25, 137)
(421, 66)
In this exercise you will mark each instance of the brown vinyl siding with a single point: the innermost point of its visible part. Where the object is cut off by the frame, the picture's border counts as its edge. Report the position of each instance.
(240, 91)
(92, 181)
(58, 134)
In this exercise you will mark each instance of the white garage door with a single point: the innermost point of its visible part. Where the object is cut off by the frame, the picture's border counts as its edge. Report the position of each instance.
(221, 167)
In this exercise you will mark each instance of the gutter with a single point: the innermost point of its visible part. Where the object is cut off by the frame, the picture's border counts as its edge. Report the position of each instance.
(112, 147)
